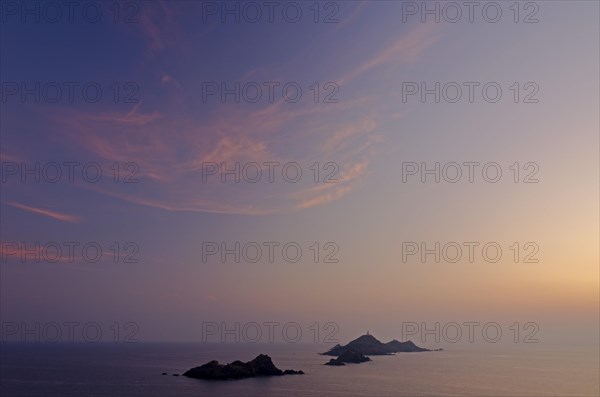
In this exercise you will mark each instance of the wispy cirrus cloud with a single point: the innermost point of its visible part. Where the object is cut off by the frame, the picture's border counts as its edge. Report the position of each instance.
(20, 251)
(59, 216)
(171, 152)
(10, 157)
(157, 22)
(172, 144)
(406, 48)
(329, 192)
(133, 117)
(161, 25)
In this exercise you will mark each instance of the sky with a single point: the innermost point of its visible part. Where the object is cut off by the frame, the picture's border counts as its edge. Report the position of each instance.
(158, 101)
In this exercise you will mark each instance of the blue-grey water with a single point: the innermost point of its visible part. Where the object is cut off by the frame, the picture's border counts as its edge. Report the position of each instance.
(135, 370)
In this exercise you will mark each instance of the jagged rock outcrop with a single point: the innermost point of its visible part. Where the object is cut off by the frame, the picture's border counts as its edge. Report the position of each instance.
(262, 365)
(408, 346)
(349, 356)
(369, 345)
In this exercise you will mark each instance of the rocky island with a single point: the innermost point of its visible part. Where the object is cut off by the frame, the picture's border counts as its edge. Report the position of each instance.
(260, 366)
(349, 356)
(369, 345)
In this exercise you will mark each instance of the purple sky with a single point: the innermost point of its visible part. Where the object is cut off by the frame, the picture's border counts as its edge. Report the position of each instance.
(127, 135)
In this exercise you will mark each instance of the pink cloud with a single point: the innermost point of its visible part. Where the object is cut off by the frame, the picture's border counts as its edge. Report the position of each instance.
(10, 157)
(170, 152)
(59, 216)
(170, 146)
(133, 117)
(329, 192)
(157, 22)
(17, 251)
(407, 48)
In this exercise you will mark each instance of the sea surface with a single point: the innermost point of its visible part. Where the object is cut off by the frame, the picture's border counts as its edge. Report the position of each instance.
(135, 370)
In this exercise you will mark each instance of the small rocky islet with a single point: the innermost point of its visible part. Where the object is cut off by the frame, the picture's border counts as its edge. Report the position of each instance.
(349, 356)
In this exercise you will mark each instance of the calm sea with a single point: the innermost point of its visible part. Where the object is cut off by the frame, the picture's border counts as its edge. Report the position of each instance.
(135, 370)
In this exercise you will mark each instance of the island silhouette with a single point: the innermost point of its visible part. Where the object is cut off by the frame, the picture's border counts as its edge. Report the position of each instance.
(261, 366)
(357, 350)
